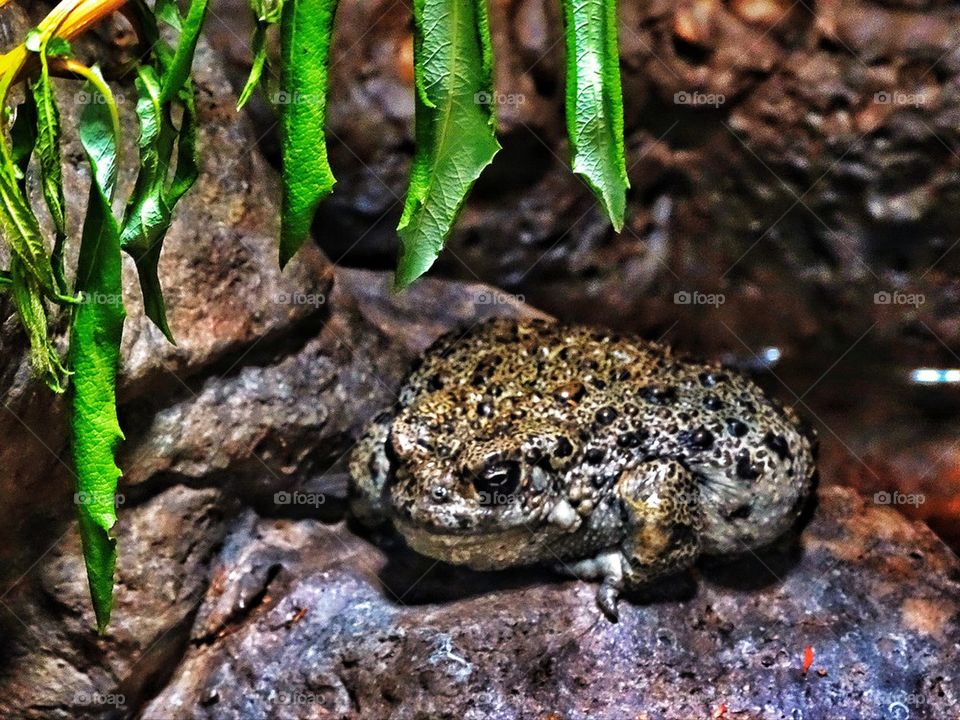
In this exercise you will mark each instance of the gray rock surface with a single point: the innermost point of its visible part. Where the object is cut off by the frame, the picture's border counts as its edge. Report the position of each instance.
(328, 625)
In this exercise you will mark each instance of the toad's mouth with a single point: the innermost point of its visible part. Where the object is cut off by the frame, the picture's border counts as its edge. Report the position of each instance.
(480, 549)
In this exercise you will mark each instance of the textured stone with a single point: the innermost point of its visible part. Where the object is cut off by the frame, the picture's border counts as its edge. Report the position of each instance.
(55, 666)
(336, 628)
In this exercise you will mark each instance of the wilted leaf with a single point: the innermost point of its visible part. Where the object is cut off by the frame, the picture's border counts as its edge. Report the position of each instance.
(28, 300)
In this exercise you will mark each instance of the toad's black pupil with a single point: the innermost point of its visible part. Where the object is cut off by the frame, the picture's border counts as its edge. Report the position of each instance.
(498, 481)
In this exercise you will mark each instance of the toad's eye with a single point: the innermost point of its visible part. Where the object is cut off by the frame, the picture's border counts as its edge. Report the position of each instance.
(499, 479)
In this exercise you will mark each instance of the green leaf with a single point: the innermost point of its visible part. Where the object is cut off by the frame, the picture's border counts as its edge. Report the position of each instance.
(48, 152)
(259, 48)
(95, 357)
(305, 31)
(148, 214)
(595, 102)
(149, 210)
(39, 41)
(168, 12)
(455, 125)
(178, 72)
(267, 12)
(28, 300)
(22, 231)
(26, 294)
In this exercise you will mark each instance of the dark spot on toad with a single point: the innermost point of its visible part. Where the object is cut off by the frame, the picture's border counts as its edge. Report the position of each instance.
(564, 448)
(712, 402)
(631, 439)
(745, 468)
(736, 427)
(659, 395)
(778, 444)
(606, 415)
(595, 455)
(700, 439)
(741, 512)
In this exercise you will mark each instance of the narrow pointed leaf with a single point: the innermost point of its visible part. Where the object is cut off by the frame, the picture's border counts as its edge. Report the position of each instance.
(595, 103)
(28, 300)
(265, 13)
(95, 358)
(148, 213)
(178, 72)
(150, 207)
(26, 294)
(305, 31)
(258, 46)
(455, 125)
(21, 229)
(48, 152)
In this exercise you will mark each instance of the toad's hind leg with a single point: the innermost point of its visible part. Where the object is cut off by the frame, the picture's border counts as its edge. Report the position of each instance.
(661, 503)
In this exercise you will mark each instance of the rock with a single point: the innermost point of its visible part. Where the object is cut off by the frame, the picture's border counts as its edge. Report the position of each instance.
(56, 666)
(339, 628)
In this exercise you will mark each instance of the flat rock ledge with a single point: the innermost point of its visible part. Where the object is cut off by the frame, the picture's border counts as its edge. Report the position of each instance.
(308, 620)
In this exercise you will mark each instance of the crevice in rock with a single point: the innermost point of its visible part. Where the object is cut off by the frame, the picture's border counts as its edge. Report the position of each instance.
(239, 614)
